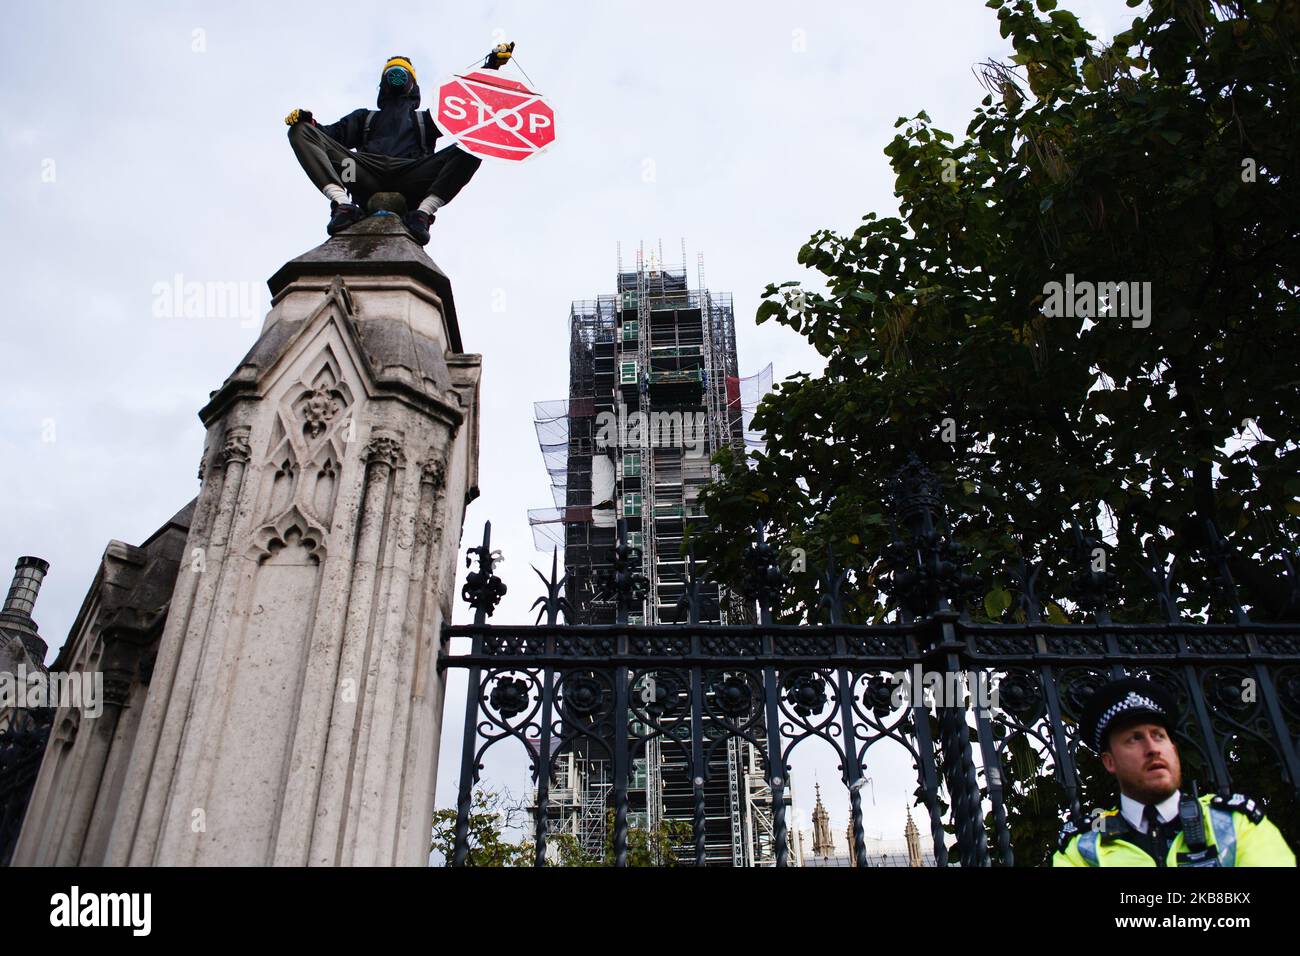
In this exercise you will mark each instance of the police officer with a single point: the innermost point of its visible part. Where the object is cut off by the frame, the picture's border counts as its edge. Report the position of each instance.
(1130, 723)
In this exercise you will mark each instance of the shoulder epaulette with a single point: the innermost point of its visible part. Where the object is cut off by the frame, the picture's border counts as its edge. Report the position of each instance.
(1239, 803)
(1068, 833)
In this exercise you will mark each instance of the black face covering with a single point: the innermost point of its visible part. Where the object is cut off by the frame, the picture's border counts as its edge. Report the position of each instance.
(397, 81)
(395, 129)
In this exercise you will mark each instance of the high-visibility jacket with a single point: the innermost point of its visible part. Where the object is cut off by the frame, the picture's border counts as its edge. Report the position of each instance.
(1236, 831)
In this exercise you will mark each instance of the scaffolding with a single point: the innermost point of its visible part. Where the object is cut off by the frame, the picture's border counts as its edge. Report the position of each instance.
(593, 795)
(654, 392)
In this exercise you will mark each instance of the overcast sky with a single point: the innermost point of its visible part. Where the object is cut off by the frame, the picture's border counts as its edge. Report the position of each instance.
(146, 141)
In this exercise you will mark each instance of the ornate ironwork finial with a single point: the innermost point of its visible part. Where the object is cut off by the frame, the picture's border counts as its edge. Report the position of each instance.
(915, 494)
(926, 564)
(1216, 550)
(832, 582)
(554, 603)
(765, 579)
(623, 582)
(1094, 581)
(1161, 576)
(1027, 575)
(483, 590)
(691, 598)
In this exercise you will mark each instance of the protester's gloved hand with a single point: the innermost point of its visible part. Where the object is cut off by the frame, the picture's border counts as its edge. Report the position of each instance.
(298, 116)
(499, 56)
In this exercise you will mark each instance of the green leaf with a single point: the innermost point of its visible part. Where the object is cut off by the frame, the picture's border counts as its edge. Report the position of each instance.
(769, 310)
(1090, 77)
(1054, 615)
(996, 602)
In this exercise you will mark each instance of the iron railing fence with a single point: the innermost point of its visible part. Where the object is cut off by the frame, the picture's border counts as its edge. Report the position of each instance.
(957, 695)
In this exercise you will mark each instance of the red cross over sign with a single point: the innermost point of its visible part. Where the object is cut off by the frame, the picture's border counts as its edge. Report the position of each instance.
(491, 116)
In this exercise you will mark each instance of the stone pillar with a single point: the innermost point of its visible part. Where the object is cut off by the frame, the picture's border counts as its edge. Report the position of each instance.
(294, 708)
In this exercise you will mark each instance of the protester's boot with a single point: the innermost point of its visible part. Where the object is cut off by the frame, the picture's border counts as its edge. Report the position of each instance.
(417, 223)
(342, 215)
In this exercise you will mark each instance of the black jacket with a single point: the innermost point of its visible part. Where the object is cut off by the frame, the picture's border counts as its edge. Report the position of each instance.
(393, 130)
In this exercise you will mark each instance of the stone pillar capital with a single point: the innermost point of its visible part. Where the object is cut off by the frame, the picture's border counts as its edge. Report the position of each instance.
(236, 448)
(385, 450)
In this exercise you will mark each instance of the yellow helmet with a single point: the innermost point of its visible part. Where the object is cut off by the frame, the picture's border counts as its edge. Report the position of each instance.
(401, 61)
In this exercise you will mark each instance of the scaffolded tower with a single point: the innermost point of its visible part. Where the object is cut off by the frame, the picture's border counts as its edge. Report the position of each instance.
(653, 393)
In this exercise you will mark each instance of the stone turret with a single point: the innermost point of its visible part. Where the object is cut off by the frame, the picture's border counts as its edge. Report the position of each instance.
(822, 845)
(24, 727)
(913, 837)
(16, 621)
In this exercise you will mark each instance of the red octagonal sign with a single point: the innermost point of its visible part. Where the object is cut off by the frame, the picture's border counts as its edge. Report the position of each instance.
(489, 115)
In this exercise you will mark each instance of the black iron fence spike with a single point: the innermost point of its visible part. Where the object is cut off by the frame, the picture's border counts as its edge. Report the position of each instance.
(764, 581)
(1216, 551)
(1092, 584)
(1027, 576)
(832, 581)
(691, 598)
(1161, 577)
(483, 590)
(552, 603)
(928, 567)
(622, 582)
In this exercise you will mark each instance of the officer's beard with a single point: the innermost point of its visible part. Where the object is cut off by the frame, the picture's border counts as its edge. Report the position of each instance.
(1145, 793)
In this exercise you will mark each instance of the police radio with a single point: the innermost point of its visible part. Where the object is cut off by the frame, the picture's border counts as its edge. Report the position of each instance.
(1191, 819)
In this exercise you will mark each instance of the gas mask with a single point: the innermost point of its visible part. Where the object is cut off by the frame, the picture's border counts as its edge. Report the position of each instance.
(397, 79)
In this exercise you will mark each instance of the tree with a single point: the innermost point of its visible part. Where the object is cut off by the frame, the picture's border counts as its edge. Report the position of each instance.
(491, 813)
(1158, 170)
(494, 811)
(656, 846)
(1166, 157)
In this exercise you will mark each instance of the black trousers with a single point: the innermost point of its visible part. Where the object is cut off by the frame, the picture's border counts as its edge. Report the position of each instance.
(325, 160)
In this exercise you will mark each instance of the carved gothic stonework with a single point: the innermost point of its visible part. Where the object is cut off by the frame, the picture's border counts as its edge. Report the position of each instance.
(434, 472)
(203, 464)
(68, 727)
(236, 447)
(117, 689)
(318, 410)
(384, 450)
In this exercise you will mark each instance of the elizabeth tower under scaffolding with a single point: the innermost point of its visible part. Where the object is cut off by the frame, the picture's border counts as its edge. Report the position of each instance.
(653, 393)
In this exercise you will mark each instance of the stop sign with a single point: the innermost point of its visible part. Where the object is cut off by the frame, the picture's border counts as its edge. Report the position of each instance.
(489, 115)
